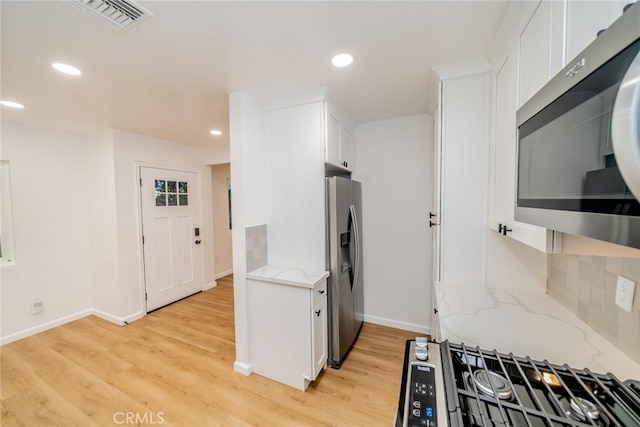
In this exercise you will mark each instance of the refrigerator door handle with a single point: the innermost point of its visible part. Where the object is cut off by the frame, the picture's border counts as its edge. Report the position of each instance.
(356, 233)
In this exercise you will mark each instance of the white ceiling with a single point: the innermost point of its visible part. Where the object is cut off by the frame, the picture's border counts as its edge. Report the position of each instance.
(169, 76)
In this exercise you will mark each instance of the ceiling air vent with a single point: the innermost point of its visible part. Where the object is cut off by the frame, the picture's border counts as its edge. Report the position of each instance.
(118, 14)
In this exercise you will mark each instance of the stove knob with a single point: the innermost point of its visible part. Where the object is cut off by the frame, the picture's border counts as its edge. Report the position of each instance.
(421, 342)
(422, 353)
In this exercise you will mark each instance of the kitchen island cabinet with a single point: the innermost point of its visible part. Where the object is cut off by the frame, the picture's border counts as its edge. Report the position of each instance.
(288, 309)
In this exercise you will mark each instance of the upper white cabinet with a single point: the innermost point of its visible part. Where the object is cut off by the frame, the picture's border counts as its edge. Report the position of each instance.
(585, 18)
(522, 68)
(535, 53)
(339, 135)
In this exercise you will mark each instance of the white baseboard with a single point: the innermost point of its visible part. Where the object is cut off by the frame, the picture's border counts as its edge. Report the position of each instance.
(223, 274)
(70, 318)
(421, 329)
(45, 326)
(108, 317)
(242, 368)
(210, 286)
(115, 319)
(135, 316)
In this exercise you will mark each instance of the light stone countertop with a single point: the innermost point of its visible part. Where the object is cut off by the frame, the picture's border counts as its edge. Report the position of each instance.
(292, 276)
(527, 322)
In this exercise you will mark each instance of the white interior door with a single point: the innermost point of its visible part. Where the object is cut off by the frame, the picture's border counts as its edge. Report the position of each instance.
(171, 235)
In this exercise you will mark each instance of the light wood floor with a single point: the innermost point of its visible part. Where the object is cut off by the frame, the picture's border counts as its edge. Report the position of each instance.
(175, 367)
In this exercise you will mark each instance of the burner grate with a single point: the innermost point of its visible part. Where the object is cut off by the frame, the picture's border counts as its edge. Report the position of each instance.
(542, 393)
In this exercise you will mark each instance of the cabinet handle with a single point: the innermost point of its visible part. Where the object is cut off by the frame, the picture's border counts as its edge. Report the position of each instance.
(318, 313)
(500, 228)
(432, 224)
(321, 292)
(599, 33)
(431, 215)
(505, 230)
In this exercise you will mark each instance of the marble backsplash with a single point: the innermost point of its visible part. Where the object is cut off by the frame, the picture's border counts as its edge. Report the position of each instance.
(256, 247)
(586, 285)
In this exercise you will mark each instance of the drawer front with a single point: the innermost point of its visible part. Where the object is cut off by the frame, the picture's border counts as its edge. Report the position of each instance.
(319, 292)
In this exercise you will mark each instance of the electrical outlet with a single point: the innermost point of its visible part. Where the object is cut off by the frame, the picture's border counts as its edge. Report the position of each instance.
(36, 305)
(624, 293)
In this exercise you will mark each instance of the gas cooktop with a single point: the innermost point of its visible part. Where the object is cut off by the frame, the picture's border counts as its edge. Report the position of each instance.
(451, 384)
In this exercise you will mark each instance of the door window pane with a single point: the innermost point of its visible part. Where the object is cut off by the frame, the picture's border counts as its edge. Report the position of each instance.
(171, 193)
(161, 199)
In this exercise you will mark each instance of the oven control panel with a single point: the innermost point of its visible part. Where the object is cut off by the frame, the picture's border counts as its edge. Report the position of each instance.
(422, 396)
(424, 403)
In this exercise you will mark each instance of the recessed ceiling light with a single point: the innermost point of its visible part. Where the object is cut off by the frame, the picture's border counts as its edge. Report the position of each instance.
(342, 60)
(12, 104)
(67, 69)
(215, 132)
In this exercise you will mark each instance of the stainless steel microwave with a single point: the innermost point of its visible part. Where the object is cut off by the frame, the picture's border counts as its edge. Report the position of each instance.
(578, 144)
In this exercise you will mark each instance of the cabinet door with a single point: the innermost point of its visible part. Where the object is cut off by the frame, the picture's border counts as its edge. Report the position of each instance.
(319, 339)
(333, 137)
(504, 162)
(535, 44)
(346, 149)
(585, 19)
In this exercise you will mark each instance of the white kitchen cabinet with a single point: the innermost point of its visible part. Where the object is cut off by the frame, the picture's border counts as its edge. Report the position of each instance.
(339, 136)
(320, 339)
(336, 131)
(523, 68)
(288, 324)
(535, 53)
(462, 144)
(585, 18)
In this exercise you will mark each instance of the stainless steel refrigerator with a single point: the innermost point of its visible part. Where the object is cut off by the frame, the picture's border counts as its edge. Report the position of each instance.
(344, 261)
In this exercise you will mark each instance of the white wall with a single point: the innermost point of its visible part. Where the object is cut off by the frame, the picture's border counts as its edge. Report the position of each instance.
(51, 230)
(76, 223)
(103, 226)
(222, 235)
(131, 150)
(295, 185)
(394, 161)
(246, 123)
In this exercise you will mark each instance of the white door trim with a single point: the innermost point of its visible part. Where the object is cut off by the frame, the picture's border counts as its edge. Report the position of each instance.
(141, 276)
